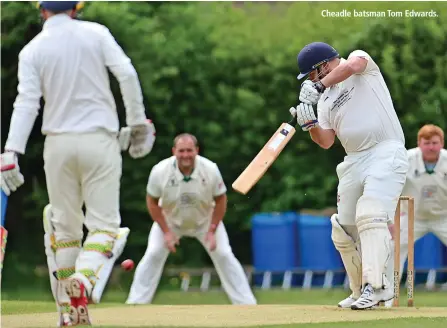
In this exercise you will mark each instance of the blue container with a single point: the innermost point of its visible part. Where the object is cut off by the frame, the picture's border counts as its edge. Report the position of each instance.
(428, 253)
(4, 204)
(274, 243)
(316, 248)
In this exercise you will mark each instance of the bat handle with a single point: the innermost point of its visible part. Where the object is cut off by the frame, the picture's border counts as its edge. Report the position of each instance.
(293, 121)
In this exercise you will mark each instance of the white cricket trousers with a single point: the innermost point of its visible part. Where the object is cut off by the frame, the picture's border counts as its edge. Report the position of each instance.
(370, 183)
(378, 174)
(83, 168)
(149, 270)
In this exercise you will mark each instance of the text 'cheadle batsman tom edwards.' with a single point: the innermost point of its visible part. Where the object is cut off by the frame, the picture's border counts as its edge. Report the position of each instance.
(388, 13)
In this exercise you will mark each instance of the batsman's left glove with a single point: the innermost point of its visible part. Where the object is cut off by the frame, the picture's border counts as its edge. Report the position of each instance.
(311, 92)
(139, 139)
(11, 176)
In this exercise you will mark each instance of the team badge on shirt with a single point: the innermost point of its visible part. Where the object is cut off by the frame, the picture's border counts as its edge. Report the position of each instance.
(188, 199)
(428, 192)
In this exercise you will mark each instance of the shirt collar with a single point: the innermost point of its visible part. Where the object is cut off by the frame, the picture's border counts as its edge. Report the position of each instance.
(420, 165)
(56, 20)
(180, 176)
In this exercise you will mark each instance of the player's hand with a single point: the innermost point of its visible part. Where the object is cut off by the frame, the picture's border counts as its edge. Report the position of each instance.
(170, 241)
(11, 176)
(210, 239)
(305, 116)
(139, 139)
(311, 92)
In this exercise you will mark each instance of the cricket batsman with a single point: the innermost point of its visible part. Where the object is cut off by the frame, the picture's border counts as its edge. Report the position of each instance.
(427, 184)
(186, 197)
(67, 64)
(354, 104)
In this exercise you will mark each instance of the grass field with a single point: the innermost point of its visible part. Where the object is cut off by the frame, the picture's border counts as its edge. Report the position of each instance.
(276, 308)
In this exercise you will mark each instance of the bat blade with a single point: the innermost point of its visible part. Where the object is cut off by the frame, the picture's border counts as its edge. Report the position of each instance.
(4, 232)
(264, 159)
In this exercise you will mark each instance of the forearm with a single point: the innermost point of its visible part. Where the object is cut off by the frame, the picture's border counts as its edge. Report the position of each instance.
(22, 122)
(26, 105)
(338, 74)
(324, 138)
(219, 212)
(156, 213)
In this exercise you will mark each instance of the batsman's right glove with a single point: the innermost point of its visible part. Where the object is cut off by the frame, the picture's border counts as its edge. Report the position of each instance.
(139, 139)
(305, 116)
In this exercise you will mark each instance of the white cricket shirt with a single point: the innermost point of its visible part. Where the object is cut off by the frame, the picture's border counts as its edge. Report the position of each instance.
(67, 63)
(186, 203)
(429, 190)
(360, 109)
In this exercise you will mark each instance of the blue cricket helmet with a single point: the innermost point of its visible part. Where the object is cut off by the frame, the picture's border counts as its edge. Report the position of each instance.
(58, 6)
(313, 55)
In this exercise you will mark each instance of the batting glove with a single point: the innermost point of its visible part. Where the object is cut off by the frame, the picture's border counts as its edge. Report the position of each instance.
(311, 92)
(139, 139)
(11, 176)
(305, 116)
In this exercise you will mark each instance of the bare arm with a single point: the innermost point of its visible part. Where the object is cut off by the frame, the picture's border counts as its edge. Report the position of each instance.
(351, 66)
(323, 137)
(156, 213)
(219, 212)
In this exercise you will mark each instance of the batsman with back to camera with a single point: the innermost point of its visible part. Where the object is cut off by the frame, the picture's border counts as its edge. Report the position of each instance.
(354, 104)
(427, 184)
(67, 64)
(186, 196)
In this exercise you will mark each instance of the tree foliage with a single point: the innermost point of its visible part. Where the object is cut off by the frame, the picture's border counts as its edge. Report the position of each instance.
(227, 73)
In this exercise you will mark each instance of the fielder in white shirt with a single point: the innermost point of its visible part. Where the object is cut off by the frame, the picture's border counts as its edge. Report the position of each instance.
(354, 104)
(427, 184)
(67, 64)
(186, 196)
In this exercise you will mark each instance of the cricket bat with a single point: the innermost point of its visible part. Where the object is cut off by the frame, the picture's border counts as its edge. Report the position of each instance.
(4, 232)
(265, 158)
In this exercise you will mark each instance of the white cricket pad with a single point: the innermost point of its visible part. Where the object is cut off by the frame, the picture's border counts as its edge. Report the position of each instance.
(375, 239)
(104, 273)
(65, 256)
(350, 253)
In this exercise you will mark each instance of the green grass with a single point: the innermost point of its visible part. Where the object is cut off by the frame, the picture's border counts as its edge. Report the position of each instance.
(27, 301)
(389, 323)
(294, 296)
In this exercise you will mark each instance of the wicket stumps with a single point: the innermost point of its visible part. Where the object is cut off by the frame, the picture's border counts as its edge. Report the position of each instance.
(410, 261)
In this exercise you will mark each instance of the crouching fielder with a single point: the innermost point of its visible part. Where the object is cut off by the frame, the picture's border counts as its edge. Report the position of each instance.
(186, 196)
(427, 184)
(66, 64)
(354, 104)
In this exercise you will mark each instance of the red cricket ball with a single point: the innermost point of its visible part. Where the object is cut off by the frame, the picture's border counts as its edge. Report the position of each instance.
(127, 265)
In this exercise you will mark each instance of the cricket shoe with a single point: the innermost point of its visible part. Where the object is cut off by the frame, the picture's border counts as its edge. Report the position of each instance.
(347, 302)
(65, 320)
(77, 291)
(371, 297)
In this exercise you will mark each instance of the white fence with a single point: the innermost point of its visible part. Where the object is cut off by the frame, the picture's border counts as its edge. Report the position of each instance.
(287, 280)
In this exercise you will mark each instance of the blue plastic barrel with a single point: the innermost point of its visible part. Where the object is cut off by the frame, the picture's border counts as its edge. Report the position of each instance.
(428, 253)
(274, 245)
(316, 248)
(4, 205)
